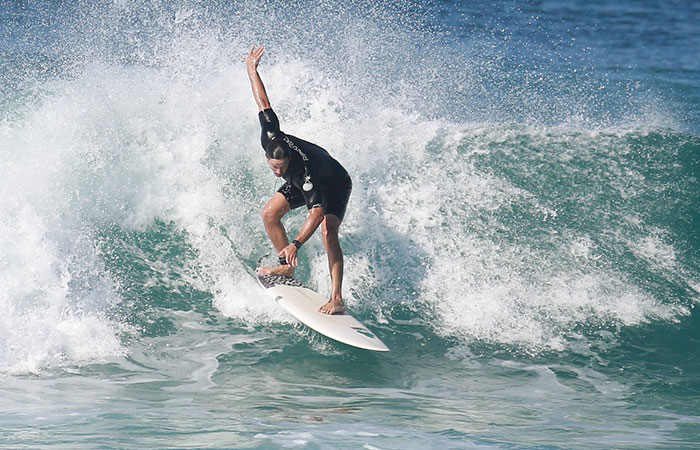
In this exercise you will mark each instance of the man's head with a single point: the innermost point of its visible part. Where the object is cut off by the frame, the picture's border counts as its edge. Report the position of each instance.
(278, 166)
(278, 156)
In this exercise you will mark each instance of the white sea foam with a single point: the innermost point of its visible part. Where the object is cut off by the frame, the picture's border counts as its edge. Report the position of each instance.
(54, 299)
(128, 146)
(655, 250)
(481, 279)
(429, 225)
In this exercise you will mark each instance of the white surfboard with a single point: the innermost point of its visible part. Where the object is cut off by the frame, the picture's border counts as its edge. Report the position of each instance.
(302, 303)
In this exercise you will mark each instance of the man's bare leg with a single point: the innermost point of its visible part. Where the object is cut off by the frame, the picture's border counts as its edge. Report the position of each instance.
(272, 214)
(330, 227)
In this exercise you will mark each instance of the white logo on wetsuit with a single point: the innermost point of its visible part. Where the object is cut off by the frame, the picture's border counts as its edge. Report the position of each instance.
(308, 185)
(295, 148)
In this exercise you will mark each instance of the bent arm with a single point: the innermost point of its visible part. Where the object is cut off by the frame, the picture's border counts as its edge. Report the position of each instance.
(312, 222)
(259, 93)
(310, 225)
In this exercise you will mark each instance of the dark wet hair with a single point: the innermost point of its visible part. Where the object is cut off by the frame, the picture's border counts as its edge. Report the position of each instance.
(277, 149)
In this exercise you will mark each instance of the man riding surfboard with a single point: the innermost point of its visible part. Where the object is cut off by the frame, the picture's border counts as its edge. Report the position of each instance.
(312, 178)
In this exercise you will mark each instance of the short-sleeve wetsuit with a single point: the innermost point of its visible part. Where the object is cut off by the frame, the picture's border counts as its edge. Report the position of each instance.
(331, 184)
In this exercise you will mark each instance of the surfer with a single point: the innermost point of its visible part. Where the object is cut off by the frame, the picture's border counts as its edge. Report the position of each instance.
(312, 178)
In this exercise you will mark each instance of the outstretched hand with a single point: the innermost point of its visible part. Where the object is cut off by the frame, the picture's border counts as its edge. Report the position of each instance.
(252, 61)
(253, 58)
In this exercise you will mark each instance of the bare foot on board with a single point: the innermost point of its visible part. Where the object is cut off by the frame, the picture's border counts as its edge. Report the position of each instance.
(284, 271)
(332, 307)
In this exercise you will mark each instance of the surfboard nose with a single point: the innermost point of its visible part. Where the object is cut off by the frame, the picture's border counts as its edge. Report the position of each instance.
(303, 302)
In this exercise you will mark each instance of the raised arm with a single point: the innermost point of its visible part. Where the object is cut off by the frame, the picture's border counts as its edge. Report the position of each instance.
(259, 93)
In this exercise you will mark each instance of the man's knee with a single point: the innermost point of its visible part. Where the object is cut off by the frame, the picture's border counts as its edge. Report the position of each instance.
(266, 213)
(270, 214)
(330, 229)
(274, 210)
(329, 235)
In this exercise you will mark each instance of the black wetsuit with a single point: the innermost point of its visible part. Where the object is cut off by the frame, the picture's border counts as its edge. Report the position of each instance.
(309, 164)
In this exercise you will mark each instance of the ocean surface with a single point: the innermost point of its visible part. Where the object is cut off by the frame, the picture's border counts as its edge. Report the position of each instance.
(523, 233)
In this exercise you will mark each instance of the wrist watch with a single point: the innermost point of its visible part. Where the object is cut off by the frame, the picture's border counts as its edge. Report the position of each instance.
(296, 243)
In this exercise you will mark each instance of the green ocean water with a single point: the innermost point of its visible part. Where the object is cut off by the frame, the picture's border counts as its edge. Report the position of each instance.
(522, 233)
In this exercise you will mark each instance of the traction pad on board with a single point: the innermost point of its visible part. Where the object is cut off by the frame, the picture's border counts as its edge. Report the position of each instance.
(276, 280)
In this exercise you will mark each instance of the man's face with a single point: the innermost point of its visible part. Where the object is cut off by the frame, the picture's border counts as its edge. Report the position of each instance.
(278, 166)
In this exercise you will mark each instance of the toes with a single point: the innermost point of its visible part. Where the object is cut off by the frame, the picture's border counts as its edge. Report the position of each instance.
(331, 309)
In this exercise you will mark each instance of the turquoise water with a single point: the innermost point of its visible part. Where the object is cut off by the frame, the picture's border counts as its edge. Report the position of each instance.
(523, 230)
